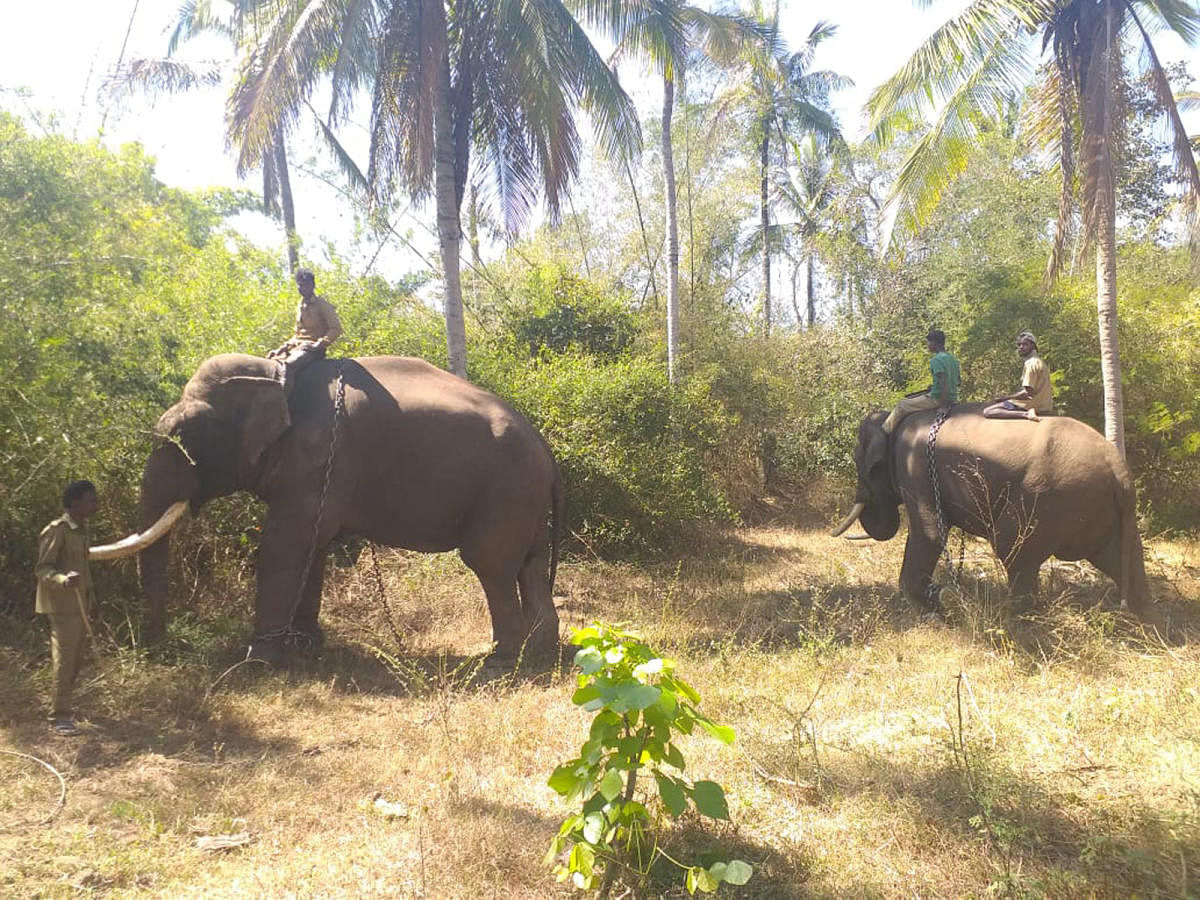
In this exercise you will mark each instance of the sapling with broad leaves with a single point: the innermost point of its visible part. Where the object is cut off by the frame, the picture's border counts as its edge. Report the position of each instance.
(640, 706)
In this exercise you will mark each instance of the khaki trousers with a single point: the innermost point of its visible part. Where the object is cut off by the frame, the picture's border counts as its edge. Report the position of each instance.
(67, 637)
(908, 405)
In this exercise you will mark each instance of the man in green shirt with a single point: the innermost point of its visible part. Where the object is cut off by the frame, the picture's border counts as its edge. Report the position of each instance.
(942, 393)
(64, 594)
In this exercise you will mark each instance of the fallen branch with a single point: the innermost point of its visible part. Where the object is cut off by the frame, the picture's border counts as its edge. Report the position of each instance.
(62, 793)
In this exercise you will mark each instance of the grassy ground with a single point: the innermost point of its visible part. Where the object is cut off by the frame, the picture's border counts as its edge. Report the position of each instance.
(1050, 753)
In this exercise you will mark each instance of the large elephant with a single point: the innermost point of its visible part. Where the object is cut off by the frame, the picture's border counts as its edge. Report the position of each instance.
(1032, 489)
(388, 448)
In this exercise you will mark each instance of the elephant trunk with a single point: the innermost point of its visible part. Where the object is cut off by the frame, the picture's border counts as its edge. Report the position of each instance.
(168, 479)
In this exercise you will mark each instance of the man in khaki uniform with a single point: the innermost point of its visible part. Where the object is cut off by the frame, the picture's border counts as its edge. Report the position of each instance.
(317, 326)
(1035, 396)
(64, 593)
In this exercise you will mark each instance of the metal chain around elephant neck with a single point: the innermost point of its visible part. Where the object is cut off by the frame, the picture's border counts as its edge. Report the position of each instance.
(943, 524)
(339, 407)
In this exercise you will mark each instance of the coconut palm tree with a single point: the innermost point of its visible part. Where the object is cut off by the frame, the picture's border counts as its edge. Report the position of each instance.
(784, 99)
(236, 21)
(805, 190)
(450, 82)
(670, 35)
(976, 63)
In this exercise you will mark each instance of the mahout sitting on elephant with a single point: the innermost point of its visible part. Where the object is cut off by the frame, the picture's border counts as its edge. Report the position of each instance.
(389, 448)
(1033, 490)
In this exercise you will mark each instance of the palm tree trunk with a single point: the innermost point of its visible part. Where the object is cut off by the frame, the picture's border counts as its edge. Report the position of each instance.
(446, 192)
(766, 224)
(637, 205)
(286, 203)
(473, 222)
(810, 295)
(1106, 307)
(672, 232)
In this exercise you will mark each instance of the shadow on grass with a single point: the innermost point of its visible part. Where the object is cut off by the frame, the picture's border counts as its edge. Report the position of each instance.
(1021, 837)
(779, 871)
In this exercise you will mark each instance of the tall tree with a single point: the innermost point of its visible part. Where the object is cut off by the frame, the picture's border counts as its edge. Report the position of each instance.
(669, 35)
(447, 79)
(785, 99)
(237, 22)
(975, 64)
(806, 191)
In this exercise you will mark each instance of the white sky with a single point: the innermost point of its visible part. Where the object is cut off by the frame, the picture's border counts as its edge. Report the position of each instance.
(60, 51)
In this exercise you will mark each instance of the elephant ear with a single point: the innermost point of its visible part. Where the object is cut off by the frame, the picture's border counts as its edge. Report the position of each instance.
(261, 415)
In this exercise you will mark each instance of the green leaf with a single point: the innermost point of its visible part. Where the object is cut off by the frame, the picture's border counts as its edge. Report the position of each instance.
(722, 733)
(593, 827)
(648, 668)
(614, 655)
(672, 794)
(738, 871)
(710, 799)
(579, 636)
(634, 696)
(585, 694)
(700, 879)
(565, 778)
(611, 785)
(589, 660)
(686, 689)
(674, 757)
(581, 860)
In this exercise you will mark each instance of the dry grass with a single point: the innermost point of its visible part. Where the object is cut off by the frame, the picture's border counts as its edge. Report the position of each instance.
(1064, 763)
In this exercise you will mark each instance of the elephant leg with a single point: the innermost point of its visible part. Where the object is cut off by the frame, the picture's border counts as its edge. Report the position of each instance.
(536, 603)
(1023, 574)
(287, 540)
(919, 557)
(307, 619)
(508, 631)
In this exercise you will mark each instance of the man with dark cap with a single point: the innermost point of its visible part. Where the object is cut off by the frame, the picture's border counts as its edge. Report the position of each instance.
(942, 394)
(1035, 396)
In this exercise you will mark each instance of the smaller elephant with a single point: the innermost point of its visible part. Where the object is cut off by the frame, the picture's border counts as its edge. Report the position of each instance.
(1032, 489)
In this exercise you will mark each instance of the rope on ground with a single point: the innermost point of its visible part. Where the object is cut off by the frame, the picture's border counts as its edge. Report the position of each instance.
(62, 793)
(212, 687)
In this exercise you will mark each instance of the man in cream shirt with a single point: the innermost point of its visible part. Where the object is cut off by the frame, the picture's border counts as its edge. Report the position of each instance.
(1035, 396)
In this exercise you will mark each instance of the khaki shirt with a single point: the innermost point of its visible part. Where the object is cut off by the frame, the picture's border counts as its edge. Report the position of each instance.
(1036, 382)
(62, 548)
(317, 319)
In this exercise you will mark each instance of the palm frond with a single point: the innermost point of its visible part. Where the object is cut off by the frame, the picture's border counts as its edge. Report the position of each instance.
(1182, 153)
(951, 58)
(722, 37)
(356, 61)
(161, 76)
(1180, 16)
(941, 153)
(280, 70)
(402, 136)
(197, 17)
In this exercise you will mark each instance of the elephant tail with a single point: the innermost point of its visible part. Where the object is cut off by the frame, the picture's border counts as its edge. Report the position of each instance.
(557, 522)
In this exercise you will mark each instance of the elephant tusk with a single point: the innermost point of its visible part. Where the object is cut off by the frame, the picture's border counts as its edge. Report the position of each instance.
(849, 520)
(135, 543)
(858, 537)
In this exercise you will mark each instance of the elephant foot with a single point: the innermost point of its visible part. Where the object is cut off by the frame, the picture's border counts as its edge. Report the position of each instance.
(269, 650)
(308, 640)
